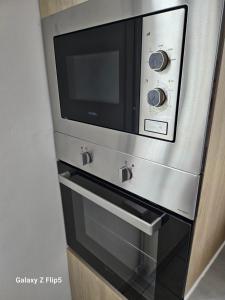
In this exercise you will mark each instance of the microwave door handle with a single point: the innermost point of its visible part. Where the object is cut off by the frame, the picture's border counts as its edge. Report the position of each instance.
(148, 228)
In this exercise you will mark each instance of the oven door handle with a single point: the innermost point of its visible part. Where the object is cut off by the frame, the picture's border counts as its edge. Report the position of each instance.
(148, 228)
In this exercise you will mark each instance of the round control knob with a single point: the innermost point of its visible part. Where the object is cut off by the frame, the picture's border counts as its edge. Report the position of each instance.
(125, 174)
(158, 60)
(156, 97)
(86, 158)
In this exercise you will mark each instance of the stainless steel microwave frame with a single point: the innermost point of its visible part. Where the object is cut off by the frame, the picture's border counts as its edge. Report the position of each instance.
(163, 162)
(124, 75)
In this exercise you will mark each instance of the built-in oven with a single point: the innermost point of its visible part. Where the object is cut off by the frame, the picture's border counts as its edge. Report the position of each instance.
(130, 100)
(130, 93)
(123, 75)
(141, 250)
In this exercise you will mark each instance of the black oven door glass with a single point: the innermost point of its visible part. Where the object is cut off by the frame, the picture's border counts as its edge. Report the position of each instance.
(98, 72)
(141, 265)
(125, 251)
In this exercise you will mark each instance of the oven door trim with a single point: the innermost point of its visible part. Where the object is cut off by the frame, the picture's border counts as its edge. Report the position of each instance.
(148, 228)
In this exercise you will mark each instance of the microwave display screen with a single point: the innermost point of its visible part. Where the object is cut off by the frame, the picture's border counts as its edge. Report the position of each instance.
(94, 77)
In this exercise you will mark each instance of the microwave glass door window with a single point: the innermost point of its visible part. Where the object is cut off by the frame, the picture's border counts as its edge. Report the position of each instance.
(94, 77)
(98, 71)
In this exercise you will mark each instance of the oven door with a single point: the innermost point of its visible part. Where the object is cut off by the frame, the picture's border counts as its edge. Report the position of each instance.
(119, 236)
(98, 72)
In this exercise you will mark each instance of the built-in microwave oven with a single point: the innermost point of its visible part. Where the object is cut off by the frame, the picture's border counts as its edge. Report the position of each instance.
(123, 75)
(131, 84)
(131, 100)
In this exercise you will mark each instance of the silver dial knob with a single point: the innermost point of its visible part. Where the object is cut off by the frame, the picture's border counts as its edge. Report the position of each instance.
(125, 174)
(158, 60)
(156, 97)
(86, 158)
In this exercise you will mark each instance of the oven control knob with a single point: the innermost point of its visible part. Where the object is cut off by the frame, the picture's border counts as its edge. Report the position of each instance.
(86, 158)
(125, 174)
(158, 60)
(156, 97)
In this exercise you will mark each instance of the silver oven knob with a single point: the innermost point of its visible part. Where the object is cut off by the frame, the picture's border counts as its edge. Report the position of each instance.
(86, 158)
(156, 97)
(125, 174)
(158, 60)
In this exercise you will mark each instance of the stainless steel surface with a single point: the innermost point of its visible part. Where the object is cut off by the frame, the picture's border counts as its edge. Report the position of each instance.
(202, 35)
(125, 173)
(163, 32)
(86, 158)
(173, 189)
(148, 228)
(165, 173)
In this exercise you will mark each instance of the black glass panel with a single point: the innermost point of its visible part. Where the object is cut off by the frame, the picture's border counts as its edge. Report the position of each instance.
(98, 71)
(140, 266)
(94, 77)
(129, 253)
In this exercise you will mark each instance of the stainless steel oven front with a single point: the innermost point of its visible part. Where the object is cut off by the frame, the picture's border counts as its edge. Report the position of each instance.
(142, 251)
(130, 85)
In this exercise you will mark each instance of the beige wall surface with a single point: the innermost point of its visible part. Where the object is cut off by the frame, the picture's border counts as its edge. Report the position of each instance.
(49, 7)
(86, 284)
(209, 231)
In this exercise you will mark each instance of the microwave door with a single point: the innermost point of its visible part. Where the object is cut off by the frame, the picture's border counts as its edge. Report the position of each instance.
(98, 71)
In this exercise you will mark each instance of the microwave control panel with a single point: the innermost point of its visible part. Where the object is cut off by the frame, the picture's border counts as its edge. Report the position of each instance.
(162, 42)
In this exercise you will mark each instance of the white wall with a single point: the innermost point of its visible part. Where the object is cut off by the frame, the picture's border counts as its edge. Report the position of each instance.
(32, 241)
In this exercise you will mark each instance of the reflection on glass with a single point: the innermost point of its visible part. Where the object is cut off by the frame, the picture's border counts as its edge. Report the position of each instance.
(127, 251)
(94, 77)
